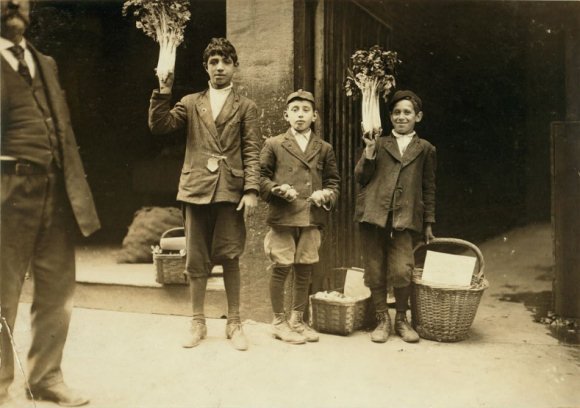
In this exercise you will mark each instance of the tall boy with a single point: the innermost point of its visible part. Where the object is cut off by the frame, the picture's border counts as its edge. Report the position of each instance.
(397, 175)
(219, 178)
(299, 180)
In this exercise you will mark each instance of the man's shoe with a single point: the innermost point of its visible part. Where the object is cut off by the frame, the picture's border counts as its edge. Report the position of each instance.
(381, 333)
(197, 332)
(297, 324)
(281, 330)
(59, 393)
(404, 329)
(235, 333)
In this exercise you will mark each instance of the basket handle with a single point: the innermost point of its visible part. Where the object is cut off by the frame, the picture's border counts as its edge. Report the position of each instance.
(172, 231)
(460, 242)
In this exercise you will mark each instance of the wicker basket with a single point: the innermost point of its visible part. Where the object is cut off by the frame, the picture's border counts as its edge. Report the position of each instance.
(170, 265)
(445, 313)
(336, 317)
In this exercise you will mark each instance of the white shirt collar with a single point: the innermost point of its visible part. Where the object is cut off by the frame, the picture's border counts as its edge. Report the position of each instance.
(5, 44)
(397, 135)
(222, 90)
(304, 135)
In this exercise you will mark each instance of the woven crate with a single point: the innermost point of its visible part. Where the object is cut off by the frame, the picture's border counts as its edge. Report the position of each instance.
(336, 317)
(170, 268)
(445, 313)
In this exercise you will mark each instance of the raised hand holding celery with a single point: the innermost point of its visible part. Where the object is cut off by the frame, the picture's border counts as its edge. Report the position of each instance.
(164, 21)
(371, 75)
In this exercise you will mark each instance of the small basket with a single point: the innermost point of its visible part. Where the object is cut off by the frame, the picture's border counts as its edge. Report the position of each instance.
(445, 313)
(170, 266)
(336, 317)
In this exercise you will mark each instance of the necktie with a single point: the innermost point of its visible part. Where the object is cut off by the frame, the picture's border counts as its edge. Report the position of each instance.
(23, 70)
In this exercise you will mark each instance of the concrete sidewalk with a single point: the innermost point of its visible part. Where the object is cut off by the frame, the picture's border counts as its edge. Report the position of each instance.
(130, 360)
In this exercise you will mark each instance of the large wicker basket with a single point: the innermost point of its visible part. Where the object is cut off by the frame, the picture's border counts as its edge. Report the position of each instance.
(338, 317)
(445, 313)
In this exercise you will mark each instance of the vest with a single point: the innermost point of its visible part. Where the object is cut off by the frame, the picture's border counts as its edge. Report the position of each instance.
(28, 129)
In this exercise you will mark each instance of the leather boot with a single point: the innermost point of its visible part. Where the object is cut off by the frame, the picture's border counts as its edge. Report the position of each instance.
(235, 333)
(404, 329)
(297, 324)
(381, 333)
(281, 330)
(197, 332)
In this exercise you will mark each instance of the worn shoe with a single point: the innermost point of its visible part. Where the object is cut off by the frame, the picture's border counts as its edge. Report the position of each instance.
(197, 332)
(281, 330)
(59, 393)
(235, 333)
(297, 324)
(381, 333)
(404, 329)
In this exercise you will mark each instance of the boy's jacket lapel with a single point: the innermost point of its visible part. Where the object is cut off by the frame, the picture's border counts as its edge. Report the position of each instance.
(291, 145)
(231, 106)
(204, 111)
(412, 151)
(391, 146)
(313, 147)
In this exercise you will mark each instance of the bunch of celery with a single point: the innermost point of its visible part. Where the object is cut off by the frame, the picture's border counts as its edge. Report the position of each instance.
(371, 75)
(164, 21)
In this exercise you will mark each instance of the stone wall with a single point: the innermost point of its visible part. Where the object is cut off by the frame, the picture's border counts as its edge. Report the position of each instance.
(263, 34)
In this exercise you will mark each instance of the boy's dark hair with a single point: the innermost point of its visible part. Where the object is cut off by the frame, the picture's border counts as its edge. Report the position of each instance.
(220, 46)
(406, 95)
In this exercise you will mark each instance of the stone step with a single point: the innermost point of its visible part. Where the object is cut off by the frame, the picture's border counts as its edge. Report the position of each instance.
(104, 284)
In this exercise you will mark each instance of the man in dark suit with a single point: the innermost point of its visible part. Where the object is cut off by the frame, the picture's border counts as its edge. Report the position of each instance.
(44, 194)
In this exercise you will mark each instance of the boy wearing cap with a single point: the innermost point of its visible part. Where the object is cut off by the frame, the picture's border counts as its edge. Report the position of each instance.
(300, 182)
(220, 178)
(396, 173)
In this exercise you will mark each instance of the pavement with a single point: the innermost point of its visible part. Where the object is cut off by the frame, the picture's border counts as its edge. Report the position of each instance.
(510, 360)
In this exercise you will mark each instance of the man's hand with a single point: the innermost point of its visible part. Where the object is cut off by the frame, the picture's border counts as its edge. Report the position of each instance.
(249, 202)
(286, 192)
(428, 233)
(166, 83)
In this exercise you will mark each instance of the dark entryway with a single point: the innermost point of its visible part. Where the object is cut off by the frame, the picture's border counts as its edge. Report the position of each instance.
(107, 69)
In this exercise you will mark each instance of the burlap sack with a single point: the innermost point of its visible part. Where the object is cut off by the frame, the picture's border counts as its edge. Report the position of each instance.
(145, 231)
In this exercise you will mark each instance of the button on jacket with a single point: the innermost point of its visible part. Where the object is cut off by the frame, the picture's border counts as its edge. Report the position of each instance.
(404, 185)
(233, 140)
(283, 162)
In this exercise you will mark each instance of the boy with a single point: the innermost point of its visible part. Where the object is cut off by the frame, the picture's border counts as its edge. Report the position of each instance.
(299, 180)
(397, 175)
(220, 177)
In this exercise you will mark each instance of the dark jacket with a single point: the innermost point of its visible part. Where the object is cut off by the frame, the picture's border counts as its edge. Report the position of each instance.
(77, 188)
(405, 186)
(234, 135)
(283, 162)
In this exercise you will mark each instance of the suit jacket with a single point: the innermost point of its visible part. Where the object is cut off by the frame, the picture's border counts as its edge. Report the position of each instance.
(78, 191)
(404, 185)
(283, 162)
(233, 140)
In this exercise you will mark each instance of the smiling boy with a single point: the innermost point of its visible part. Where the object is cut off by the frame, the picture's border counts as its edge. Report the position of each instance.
(396, 173)
(299, 180)
(219, 179)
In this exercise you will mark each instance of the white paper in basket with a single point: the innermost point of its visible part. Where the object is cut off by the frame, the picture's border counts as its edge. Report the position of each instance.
(448, 269)
(354, 285)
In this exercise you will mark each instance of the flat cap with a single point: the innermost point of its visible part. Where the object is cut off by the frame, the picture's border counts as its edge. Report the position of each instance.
(400, 95)
(300, 94)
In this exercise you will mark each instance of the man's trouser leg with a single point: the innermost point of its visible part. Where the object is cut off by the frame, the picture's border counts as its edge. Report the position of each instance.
(37, 233)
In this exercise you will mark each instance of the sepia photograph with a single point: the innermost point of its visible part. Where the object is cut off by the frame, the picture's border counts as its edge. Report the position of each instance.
(290, 203)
